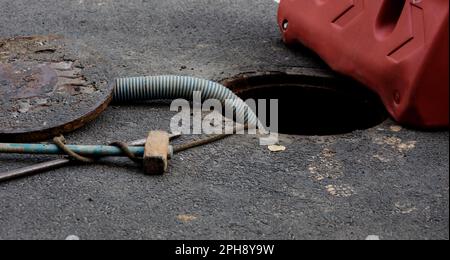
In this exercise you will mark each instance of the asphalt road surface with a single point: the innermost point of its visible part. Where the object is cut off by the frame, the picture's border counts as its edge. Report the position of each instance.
(386, 181)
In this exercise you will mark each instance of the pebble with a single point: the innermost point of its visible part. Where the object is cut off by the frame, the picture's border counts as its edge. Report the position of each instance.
(72, 238)
(373, 238)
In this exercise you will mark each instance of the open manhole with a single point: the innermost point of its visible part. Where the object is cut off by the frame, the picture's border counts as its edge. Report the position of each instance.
(313, 103)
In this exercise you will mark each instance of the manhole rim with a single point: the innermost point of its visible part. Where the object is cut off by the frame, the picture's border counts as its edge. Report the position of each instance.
(65, 127)
(315, 79)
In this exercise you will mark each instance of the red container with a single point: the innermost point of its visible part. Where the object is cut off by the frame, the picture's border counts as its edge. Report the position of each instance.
(398, 48)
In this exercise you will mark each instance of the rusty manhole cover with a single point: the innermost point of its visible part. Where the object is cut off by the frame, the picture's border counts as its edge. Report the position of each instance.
(49, 86)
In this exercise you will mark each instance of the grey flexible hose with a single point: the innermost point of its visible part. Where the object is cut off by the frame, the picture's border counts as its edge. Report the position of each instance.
(181, 87)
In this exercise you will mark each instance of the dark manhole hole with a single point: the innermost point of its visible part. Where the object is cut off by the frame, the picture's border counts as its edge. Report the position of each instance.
(313, 104)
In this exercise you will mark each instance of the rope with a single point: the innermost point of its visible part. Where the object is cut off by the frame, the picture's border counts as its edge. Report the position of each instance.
(124, 147)
(60, 141)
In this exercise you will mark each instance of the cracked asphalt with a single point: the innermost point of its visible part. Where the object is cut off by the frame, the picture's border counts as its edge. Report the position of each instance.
(386, 181)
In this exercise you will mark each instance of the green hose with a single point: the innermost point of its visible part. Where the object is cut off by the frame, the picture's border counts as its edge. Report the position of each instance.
(181, 87)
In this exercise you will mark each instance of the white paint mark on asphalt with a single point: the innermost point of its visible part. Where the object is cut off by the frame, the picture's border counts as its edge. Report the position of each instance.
(325, 166)
(396, 143)
(342, 191)
(381, 158)
(405, 207)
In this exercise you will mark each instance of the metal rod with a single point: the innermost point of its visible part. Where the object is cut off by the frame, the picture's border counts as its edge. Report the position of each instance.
(85, 150)
(55, 164)
(34, 169)
(141, 142)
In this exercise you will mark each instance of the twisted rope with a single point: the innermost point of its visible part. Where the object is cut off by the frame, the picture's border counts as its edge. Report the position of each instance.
(60, 141)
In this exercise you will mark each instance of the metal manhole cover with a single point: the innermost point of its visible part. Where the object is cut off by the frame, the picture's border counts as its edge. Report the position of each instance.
(49, 86)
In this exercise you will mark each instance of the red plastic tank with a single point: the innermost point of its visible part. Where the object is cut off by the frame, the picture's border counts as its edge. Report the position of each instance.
(398, 48)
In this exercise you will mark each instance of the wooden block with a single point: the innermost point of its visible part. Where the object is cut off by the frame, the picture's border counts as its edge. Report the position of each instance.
(156, 153)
